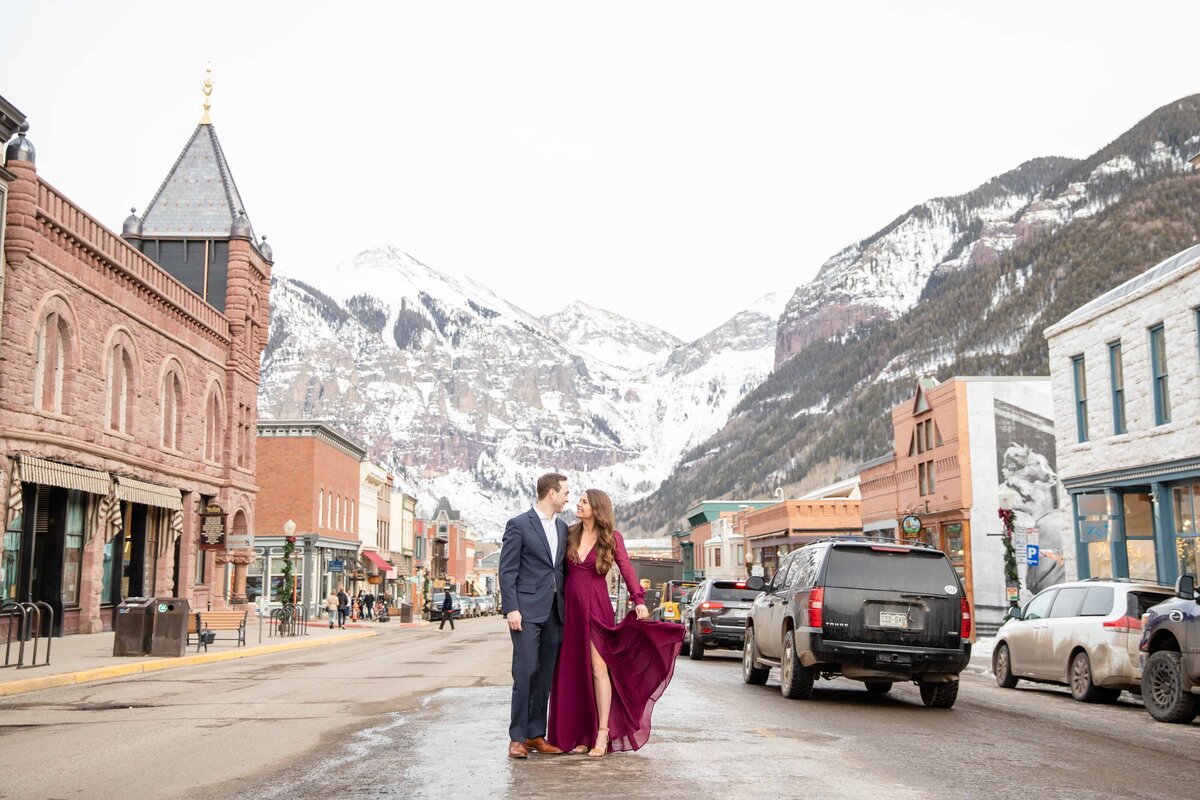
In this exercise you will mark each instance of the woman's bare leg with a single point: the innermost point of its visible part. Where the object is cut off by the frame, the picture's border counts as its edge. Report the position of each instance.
(602, 686)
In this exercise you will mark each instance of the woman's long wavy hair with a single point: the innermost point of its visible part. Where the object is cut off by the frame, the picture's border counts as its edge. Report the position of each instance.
(606, 544)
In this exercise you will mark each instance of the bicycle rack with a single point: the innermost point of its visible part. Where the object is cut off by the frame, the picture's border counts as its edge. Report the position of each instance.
(30, 627)
(289, 620)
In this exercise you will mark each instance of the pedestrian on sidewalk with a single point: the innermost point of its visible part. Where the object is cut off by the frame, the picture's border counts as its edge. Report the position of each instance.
(331, 606)
(343, 606)
(447, 611)
(368, 605)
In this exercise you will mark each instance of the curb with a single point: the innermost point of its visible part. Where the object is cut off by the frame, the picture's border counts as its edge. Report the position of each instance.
(137, 668)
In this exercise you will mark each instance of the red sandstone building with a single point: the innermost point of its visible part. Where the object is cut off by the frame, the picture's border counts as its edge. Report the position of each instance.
(128, 384)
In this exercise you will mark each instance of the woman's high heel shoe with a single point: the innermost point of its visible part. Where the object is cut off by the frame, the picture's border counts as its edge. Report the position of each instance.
(599, 751)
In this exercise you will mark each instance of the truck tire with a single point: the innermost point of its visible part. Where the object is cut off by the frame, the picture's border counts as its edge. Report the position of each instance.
(751, 672)
(1162, 688)
(938, 695)
(795, 679)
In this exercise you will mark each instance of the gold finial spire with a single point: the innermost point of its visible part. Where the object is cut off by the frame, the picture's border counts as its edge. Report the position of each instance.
(208, 86)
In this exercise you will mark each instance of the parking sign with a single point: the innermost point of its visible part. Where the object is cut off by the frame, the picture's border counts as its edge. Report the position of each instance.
(1031, 555)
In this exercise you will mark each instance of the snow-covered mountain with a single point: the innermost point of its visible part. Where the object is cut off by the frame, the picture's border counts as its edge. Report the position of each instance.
(464, 394)
(886, 274)
(609, 337)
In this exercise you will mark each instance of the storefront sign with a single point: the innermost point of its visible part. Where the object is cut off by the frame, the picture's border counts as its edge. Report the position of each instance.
(374, 579)
(337, 566)
(911, 525)
(212, 527)
(1012, 590)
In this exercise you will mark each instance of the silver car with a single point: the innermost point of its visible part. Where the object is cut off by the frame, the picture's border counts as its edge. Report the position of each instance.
(1084, 635)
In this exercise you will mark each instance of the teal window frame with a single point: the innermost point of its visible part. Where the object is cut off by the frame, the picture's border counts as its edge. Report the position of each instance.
(1079, 376)
(1116, 371)
(1160, 378)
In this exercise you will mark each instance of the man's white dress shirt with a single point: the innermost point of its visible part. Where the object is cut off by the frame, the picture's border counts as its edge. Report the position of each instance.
(550, 529)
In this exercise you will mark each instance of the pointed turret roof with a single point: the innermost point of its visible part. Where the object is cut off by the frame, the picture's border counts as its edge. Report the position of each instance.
(198, 198)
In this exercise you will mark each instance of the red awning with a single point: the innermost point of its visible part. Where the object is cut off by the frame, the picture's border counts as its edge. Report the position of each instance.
(379, 561)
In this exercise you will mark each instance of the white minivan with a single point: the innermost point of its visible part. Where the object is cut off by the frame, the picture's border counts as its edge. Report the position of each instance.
(1084, 635)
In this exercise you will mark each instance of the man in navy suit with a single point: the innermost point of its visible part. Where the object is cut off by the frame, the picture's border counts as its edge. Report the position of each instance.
(531, 592)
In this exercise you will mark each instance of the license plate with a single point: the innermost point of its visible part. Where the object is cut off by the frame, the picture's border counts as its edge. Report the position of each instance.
(893, 619)
(737, 613)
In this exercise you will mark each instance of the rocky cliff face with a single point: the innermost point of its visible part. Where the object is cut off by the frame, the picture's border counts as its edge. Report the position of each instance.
(466, 395)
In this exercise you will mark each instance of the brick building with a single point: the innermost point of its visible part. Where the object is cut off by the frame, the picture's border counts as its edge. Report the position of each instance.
(310, 474)
(128, 388)
(446, 549)
(960, 449)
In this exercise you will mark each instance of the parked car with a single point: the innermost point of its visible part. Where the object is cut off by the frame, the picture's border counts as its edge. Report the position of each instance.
(716, 616)
(436, 606)
(1171, 655)
(871, 612)
(487, 605)
(675, 595)
(1084, 635)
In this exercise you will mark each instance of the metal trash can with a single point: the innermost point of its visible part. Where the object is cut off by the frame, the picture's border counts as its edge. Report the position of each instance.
(168, 626)
(131, 627)
(406, 612)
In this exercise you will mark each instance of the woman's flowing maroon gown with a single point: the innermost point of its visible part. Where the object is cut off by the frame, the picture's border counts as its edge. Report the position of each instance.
(640, 656)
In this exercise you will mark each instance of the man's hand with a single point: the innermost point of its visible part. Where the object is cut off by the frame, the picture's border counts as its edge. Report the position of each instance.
(514, 620)
(642, 611)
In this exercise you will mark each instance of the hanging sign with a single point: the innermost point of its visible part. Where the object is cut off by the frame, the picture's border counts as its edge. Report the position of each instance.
(911, 525)
(212, 527)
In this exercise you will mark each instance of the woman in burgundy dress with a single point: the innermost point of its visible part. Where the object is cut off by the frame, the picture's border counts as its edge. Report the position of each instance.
(608, 676)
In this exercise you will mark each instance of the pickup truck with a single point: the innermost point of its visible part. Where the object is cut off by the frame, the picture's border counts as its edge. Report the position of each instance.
(1170, 655)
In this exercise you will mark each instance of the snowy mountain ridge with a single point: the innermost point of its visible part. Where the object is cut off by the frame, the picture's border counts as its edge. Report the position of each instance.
(462, 393)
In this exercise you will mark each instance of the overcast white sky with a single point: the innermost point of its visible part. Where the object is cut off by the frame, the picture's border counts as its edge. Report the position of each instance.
(670, 161)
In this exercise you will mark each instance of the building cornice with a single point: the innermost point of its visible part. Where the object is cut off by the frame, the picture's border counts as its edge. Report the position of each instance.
(314, 429)
(1180, 468)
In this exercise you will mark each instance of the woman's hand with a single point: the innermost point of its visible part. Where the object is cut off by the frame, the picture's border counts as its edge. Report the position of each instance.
(642, 611)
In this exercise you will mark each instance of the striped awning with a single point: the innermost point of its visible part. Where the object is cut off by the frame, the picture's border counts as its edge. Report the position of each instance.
(148, 494)
(52, 473)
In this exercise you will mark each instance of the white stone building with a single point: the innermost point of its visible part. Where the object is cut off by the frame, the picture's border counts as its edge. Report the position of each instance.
(1126, 376)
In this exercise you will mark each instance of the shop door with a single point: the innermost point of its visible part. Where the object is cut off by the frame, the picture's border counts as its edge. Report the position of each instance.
(41, 578)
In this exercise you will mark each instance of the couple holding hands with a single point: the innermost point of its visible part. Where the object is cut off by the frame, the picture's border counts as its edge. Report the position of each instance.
(595, 680)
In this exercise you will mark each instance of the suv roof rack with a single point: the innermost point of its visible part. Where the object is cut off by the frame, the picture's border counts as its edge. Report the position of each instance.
(868, 540)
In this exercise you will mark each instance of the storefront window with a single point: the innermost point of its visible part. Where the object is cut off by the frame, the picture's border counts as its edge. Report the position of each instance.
(955, 547)
(1139, 537)
(1186, 500)
(73, 548)
(1189, 555)
(9, 559)
(1099, 559)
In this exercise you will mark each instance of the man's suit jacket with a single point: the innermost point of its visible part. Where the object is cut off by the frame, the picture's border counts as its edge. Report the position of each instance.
(529, 579)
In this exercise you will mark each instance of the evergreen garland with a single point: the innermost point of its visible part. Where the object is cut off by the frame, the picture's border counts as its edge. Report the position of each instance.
(286, 591)
(1008, 517)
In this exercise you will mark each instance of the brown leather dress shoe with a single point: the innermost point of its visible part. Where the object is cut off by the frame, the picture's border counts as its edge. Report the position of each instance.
(540, 745)
(517, 750)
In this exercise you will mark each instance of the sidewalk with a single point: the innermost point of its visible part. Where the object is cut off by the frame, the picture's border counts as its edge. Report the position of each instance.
(83, 658)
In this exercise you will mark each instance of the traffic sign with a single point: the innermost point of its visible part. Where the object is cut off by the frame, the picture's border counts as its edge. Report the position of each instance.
(1031, 555)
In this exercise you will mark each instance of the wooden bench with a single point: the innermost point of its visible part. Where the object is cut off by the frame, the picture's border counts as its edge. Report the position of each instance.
(202, 622)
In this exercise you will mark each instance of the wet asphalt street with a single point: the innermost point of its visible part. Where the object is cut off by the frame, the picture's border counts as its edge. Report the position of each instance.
(419, 714)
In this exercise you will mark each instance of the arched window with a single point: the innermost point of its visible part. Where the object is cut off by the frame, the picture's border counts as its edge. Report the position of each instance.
(53, 350)
(171, 403)
(120, 389)
(212, 427)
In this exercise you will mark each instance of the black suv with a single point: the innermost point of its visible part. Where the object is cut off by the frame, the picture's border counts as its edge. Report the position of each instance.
(716, 616)
(1170, 656)
(877, 613)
